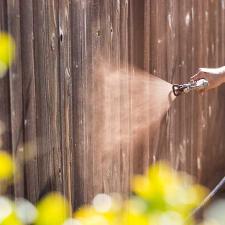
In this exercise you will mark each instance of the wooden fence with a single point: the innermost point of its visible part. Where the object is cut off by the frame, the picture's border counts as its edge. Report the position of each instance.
(44, 97)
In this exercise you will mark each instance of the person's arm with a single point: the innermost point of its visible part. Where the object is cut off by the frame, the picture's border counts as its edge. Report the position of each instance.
(215, 76)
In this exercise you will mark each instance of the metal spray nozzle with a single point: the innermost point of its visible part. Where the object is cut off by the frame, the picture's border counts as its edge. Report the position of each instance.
(178, 89)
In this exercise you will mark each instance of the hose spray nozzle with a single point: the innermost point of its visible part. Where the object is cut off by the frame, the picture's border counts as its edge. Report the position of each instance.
(178, 89)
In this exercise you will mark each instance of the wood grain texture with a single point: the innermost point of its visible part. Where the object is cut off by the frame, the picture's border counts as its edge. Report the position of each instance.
(16, 97)
(66, 92)
(29, 101)
(5, 140)
(48, 98)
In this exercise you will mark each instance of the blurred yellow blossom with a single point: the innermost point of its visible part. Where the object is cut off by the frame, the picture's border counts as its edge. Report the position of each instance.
(165, 189)
(89, 216)
(12, 219)
(6, 166)
(162, 196)
(7, 213)
(7, 51)
(105, 210)
(135, 212)
(52, 210)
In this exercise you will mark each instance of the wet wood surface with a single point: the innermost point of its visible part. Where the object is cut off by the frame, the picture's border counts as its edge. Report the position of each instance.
(49, 123)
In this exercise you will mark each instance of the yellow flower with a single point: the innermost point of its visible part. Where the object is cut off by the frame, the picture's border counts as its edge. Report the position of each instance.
(89, 216)
(135, 212)
(52, 210)
(7, 52)
(155, 184)
(130, 218)
(12, 219)
(7, 213)
(105, 210)
(168, 218)
(6, 166)
(165, 189)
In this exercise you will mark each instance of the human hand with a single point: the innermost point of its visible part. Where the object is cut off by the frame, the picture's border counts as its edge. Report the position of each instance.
(214, 76)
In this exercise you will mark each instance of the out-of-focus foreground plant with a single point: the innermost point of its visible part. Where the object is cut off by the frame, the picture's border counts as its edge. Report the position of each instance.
(7, 52)
(6, 166)
(161, 197)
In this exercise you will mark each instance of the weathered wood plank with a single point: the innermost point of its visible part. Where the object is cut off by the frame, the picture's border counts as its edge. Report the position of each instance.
(140, 146)
(79, 64)
(125, 153)
(172, 51)
(158, 21)
(185, 26)
(5, 130)
(97, 116)
(47, 95)
(66, 94)
(3, 15)
(29, 101)
(16, 97)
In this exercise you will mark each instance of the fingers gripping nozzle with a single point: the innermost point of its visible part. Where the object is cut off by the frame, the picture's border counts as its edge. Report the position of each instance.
(179, 89)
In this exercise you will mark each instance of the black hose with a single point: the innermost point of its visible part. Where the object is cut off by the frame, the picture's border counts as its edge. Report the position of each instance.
(209, 197)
